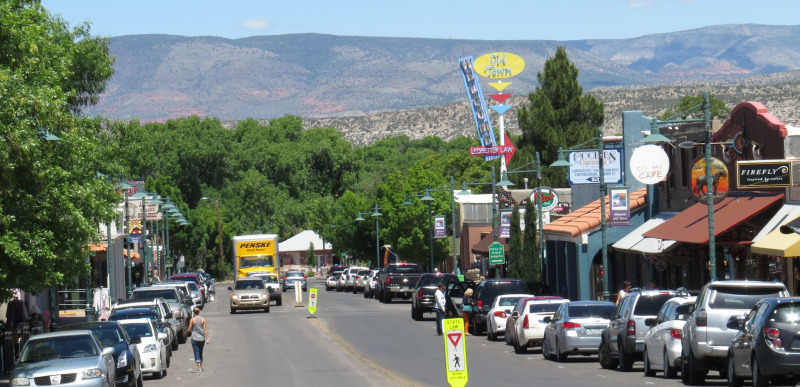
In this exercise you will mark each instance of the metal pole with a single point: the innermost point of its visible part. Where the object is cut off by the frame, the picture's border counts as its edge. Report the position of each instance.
(430, 229)
(453, 218)
(127, 246)
(166, 222)
(494, 207)
(88, 310)
(603, 189)
(219, 231)
(377, 239)
(539, 214)
(109, 262)
(147, 262)
(709, 187)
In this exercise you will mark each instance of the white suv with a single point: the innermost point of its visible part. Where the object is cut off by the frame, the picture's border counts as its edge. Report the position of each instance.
(706, 336)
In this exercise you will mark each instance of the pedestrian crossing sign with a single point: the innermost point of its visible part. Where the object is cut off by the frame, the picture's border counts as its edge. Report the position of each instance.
(455, 352)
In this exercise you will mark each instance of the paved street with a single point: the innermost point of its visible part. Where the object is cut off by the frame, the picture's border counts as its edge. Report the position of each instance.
(357, 342)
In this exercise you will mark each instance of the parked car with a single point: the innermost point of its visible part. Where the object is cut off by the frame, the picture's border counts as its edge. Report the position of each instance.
(249, 293)
(397, 280)
(359, 282)
(127, 359)
(622, 340)
(187, 301)
(530, 321)
(766, 346)
(330, 283)
(501, 310)
(575, 328)
(350, 275)
(293, 279)
(197, 294)
(706, 335)
(151, 312)
(341, 282)
(485, 294)
(369, 283)
(174, 301)
(662, 343)
(74, 357)
(192, 277)
(424, 289)
(161, 306)
(273, 283)
(151, 346)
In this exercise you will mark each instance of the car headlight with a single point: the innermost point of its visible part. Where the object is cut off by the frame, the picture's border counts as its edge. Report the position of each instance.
(122, 361)
(177, 312)
(263, 295)
(93, 373)
(234, 297)
(20, 382)
(149, 348)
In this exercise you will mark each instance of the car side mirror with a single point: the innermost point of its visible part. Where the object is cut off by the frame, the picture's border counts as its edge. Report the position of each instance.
(168, 315)
(690, 310)
(547, 319)
(136, 340)
(162, 336)
(108, 351)
(650, 322)
(735, 322)
(188, 302)
(515, 314)
(230, 288)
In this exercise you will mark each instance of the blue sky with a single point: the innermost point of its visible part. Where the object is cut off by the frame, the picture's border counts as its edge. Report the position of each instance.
(462, 19)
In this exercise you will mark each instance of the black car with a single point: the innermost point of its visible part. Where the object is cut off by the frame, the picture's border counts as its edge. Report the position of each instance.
(144, 312)
(126, 356)
(767, 344)
(422, 300)
(485, 294)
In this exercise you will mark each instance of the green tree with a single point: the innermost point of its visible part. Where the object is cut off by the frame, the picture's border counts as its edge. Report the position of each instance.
(691, 107)
(516, 266)
(558, 115)
(51, 200)
(530, 248)
(311, 256)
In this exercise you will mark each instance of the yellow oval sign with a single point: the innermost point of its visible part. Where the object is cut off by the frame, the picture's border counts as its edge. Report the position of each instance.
(498, 65)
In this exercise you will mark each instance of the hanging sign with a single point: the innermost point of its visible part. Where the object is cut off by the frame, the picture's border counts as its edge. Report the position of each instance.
(496, 254)
(764, 174)
(719, 179)
(620, 214)
(549, 200)
(477, 104)
(505, 224)
(499, 65)
(649, 164)
(439, 230)
(585, 168)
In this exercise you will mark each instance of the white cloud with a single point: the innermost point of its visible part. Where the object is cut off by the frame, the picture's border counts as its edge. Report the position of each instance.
(256, 24)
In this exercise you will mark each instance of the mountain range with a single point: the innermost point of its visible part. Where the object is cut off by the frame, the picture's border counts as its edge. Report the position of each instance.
(414, 84)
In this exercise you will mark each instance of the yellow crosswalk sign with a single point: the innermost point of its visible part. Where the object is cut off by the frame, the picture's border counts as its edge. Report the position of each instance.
(312, 301)
(455, 352)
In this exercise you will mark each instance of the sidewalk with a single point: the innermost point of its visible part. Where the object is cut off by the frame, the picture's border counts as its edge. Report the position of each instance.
(64, 318)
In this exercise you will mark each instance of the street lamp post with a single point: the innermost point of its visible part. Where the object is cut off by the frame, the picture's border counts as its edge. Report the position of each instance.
(375, 214)
(429, 199)
(219, 232)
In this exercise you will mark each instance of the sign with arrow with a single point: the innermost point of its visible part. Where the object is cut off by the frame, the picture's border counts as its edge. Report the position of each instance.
(585, 167)
(506, 151)
(455, 352)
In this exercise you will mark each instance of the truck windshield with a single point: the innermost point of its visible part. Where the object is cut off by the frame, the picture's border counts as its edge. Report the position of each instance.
(261, 261)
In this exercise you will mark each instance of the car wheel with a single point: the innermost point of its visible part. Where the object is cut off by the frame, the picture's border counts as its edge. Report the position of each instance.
(163, 371)
(670, 372)
(507, 336)
(625, 359)
(546, 349)
(759, 380)
(490, 334)
(604, 357)
(266, 310)
(140, 380)
(233, 311)
(560, 356)
(174, 344)
(519, 349)
(694, 377)
(733, 380)
(366, 294)
(279, 301)
(648, 370)
(169, 357)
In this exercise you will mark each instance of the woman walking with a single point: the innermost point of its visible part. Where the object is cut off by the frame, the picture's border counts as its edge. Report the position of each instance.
(466, 309)
(197, 327)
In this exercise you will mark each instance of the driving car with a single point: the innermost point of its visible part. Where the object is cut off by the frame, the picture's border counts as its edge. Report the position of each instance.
(422, 301)
(273, 283)
(662, 343)
(151, 346)
(330, 283)
(128, 369)
(369, 283)
(498, 314)
(531, 321)
(360, 279)
(249, 293)
(575, 328)
(64, 357)
(293, 278)
(766, 346)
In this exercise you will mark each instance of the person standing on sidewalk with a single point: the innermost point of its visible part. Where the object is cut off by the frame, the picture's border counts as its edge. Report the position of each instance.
(197, 328)
(440, 307)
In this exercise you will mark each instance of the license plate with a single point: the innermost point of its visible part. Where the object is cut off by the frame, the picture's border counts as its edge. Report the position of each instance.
(639, 346)
(588, 332)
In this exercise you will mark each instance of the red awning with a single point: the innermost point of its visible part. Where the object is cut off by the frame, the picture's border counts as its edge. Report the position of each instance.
(691, 225)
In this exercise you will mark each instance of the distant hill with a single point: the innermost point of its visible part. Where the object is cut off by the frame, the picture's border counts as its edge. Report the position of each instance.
(399, 81)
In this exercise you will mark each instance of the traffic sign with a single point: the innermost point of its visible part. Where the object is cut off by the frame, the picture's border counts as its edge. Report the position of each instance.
(312, 301)
(496, 254)
(455, 352)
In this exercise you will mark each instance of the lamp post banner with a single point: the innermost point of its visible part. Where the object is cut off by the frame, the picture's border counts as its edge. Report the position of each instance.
(620, 214)
(439, 230)
(505, 224)
(719, 179)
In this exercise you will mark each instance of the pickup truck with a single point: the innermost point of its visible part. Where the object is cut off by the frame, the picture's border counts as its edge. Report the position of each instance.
(397, 280)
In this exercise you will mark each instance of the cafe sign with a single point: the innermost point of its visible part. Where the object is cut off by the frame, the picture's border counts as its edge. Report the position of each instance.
(764, 174)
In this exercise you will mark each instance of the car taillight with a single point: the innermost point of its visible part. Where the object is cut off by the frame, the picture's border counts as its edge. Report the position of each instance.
(501, 314)
(480, 304)
(419, 294)
(676, 333)
(387, 280)
(357, 277)
(631, 327)
(773, 334)
(701, 318)
(570, 325)
(525, 322)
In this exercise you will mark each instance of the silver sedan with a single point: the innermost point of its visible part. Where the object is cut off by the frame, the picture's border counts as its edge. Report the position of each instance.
(576, 328)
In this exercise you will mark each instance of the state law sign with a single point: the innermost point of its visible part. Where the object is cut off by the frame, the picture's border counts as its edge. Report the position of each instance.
(649, 164)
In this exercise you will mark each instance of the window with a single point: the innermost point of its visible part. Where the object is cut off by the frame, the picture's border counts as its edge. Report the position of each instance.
(786, 313)
(740, 298)
(244, 285)
(649, 305)
(549, 307)
(591, 311)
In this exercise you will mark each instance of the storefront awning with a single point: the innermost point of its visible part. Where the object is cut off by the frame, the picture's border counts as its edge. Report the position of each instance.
(785, 215)
(691, 225)
(636, 242)
(482, 247)
(778, 244)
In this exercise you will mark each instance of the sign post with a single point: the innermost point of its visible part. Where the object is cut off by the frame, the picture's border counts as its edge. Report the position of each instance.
(455, 352)
(298, 295)
(497, 254)
(312, 302)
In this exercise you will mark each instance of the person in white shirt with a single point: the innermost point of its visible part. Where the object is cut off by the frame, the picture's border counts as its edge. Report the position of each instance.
(440, 307)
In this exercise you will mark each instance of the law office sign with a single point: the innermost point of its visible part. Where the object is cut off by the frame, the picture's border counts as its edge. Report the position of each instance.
(585, 168)
(764, 174)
